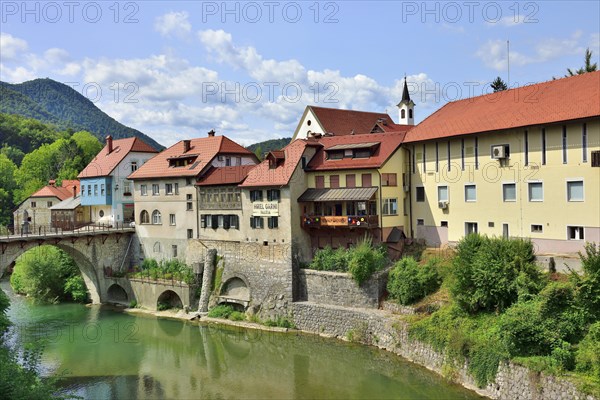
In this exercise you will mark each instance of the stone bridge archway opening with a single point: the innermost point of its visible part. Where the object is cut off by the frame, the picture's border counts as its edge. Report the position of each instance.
(235, 292)
(168, 299)
(116, 294)
(83, 263)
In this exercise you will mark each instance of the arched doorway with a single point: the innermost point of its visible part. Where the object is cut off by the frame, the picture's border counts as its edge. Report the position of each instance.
(235, 291)
(168, 299)
(116, 294)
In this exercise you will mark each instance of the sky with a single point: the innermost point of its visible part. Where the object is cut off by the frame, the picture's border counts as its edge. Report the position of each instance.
(177, 69)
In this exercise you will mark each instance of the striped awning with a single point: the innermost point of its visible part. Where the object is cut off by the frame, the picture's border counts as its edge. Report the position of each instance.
(341, 194)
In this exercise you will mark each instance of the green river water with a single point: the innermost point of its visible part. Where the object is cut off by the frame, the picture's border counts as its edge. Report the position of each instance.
(105, 354)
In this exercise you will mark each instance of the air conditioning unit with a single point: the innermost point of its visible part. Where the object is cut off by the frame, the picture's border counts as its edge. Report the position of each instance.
(443, 205)
(498, 152)
(406, 188)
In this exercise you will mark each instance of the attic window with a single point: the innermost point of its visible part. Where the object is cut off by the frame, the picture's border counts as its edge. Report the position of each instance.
(335, 155)
(362, 153)
(181, 161)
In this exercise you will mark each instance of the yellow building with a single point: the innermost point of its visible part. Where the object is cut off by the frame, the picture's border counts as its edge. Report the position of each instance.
(524, 162)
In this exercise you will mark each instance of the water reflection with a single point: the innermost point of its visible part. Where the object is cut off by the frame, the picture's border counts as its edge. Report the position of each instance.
(108, 355)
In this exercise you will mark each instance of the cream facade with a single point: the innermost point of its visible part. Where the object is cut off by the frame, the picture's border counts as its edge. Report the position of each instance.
(545, 188)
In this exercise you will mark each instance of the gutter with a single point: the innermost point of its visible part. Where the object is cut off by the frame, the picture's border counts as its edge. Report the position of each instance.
(380, 207)
(410, 210)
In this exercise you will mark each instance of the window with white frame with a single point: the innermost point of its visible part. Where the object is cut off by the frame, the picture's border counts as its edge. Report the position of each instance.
(168, 188)
(390, 206)
(442, 193)
(256, 222)
(144, 217)
(537, 228)
(574, 190)
(470, 193)
(536, 191)
(156, 217)
(156, 248)
(575, 233)
(155, 189)
(144, 190)
(172, 219)
(509, 192)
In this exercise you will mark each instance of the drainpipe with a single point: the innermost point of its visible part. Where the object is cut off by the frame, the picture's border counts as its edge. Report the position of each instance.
(380, 208)
(410, 210)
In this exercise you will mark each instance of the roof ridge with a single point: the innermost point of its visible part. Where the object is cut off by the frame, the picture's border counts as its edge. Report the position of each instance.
(345, 109)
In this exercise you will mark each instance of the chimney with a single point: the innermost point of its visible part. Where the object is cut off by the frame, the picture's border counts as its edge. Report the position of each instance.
(74, 191)
(51, 182)
(109, 144)
(186, 145)
(211, 133)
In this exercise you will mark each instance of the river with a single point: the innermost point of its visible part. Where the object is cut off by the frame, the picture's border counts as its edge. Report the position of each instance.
(102, 353)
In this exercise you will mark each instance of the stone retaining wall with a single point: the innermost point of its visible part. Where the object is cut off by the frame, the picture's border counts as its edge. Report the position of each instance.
(336, 288)
(389, 332)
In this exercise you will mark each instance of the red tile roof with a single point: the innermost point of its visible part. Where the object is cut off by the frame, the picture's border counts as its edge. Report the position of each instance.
(104, 163)
(344, 122)
(262, 175)
(387, 145)
(225, 175)
(543, 103)
(205, 149)
(61, 192)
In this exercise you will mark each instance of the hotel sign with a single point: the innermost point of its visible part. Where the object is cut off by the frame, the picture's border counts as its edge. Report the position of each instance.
(334, 221)
(265, 209)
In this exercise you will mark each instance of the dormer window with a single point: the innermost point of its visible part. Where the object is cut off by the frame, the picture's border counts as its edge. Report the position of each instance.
(134, 166)
(182, 161)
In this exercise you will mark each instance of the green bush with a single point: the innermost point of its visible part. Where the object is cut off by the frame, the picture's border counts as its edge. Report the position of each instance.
(221, 311)
(409, 282)
(328, 259)
(133, 304)
(588, 285)
(281, 322)
(492, 273)
(75, 289)
(166, 269)
(588, 353)
(237, 316)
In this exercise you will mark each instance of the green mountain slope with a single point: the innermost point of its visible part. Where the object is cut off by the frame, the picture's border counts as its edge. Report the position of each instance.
(268, 145)
(59, 104)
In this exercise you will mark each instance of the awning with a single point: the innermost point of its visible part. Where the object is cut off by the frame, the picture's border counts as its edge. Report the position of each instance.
(344, 194)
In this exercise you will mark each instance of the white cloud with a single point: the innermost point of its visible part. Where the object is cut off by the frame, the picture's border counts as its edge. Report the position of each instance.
(11, 47)
(15, 75)
(173, 24)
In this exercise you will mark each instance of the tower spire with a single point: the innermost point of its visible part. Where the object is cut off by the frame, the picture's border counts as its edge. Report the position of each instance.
(406, 106)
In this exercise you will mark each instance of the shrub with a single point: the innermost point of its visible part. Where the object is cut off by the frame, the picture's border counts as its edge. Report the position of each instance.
(328, 259)
(281, 322)
(75, 289)
(491, 273)
(237, 316)
(221, 311)
(588, 353)
(133, 304)
(409, 282)
(588, 285)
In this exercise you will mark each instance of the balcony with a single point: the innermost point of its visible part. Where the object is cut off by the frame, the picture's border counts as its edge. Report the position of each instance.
(227, 205)
(340, 221)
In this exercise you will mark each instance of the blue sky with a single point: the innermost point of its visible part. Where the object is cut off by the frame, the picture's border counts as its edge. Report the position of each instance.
(176, 69)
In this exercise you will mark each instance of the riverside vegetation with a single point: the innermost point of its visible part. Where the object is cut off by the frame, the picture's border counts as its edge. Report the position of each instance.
(488, 302)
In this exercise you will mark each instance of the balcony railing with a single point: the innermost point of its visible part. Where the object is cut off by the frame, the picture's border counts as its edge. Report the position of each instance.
(229, 205)
(340, 221)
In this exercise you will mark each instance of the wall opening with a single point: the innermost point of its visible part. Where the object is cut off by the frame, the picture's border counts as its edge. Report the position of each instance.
(116, 294)
(168, 299)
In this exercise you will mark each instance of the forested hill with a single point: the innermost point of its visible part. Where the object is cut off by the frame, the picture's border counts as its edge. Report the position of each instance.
(261, 148)
(59, 104)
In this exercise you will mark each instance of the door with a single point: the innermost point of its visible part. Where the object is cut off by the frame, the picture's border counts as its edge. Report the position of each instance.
(505, 231)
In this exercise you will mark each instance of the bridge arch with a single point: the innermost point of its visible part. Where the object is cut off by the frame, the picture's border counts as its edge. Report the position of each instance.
(117, 294)
(82, 261)
(234, 291)
(169, 298)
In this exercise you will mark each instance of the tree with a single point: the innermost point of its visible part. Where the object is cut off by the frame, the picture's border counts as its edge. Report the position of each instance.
(89, 145)
(258, 153)
(7, 185)
(498, 85)
(588, 67)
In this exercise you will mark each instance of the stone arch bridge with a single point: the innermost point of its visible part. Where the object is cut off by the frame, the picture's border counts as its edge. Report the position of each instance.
(95, 251)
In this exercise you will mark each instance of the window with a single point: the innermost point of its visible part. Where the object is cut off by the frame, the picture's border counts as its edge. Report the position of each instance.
(536, 191)
(390, 206)
(444, 224)
(537, 229)
(584, 143)
(95, 190)
(155, 190)
(126, 188)
(442, 193)
(234, 221)
(228, 161)
(420, 192)
(188, 181)
(564, 144)
(575, 191)
(172, 219)
(102, 189)
(470, 193)
(89, 190)
(319, 181)
(256, 195)
(190, 233)
(273, 222)
(273, 195)
(144, 190)
(362, 153)
(144, 217)
(366, 180)
(410, 113)
(101, 213)
(33, 204)
(156, 247)
(238, 161)
(189, 204)
(174, 250)
(543, 146)
(134, 166)
(335, 155)
(491, 224)
(334, 181)
(168, 188)
(509, 192)
(303, 162)
(350, 180)
(256, 222)
(156, 217)
(405, 205)
(176, 188)
(470, 227)
(390, 179)
(49, 204)
(596, 158)
(420, 221)
(526, 150)
(575, 232)
(83, 190)
(403, 113)
(204, 220)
